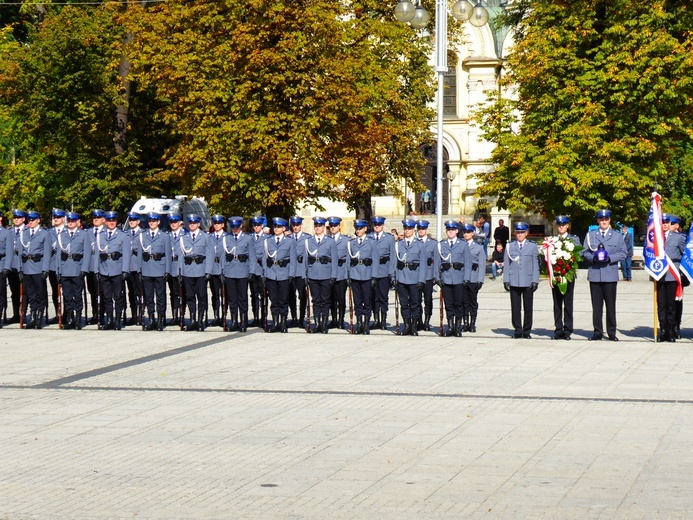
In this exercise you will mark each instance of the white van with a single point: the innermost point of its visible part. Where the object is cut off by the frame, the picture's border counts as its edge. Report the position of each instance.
(180, 204)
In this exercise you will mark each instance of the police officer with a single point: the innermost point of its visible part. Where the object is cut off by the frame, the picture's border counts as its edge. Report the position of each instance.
(674, 247)
(476, 282)
(521, 279)
(604, 248)
(675, 227)
(361, 251)
(563, 303)
(133, 284)
(320, 253)
(18, 224)
(213, 268)
(74, 260)
(383, 271)
(410, 276)
(278, 266)
(256, 285)
(238, 263)
(35, 255)
(298, 283)
(6, 257)
(175, 285)
(452, 270)
(426, 294)
(154, 253)
(338, 291)
(111, 265)
(58, 216)
(194, 250)
(97, 219)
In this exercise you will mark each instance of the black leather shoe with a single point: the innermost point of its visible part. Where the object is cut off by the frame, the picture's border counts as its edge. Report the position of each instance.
(613, 338)
(566, 337)
(526, 335)
(558, 335)
(517, 335)
(596, 337)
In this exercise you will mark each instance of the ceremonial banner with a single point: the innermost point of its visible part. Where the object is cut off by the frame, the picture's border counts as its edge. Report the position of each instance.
(653, 250)
(687, 260)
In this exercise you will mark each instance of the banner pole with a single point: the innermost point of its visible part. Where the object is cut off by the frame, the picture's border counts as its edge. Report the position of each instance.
(655, 311)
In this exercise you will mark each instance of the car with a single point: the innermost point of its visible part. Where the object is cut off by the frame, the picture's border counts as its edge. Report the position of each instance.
(165, 205)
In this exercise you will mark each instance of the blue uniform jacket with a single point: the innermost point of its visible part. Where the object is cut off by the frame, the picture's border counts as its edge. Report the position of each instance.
(478, 262)
(154, 254)
(452, 265)
(385, 255)
(176, 255)
(411, 262)
(214, 252)
(194, 254)
(429, 251)
(238, 255)
(112, 256)
(92, 233)
(134, 265)
(16, 260)
(74, 253)
(362, 257)
(615, 248)
(35, 251)
(6, 249)
(320, 259)
(674, 247)
(279, 260)
(521, 265)
(259, 241)
(341, 241)
(300, 238)
(54, 246)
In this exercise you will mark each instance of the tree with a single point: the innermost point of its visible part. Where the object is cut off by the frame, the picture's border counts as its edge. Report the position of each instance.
(604, 104)
(274, 104)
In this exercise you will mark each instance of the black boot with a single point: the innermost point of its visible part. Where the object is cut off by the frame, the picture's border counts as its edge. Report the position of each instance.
(325, 328)
(663, 334)
(318, 325)
(274, 327)
(383, 323)
(152, 322)
(201, 321)
(359, 325)
(341, 321)
(69, 320)
(414, 331)
(458, 327)
(235, 325)
(78, 320)
(672, 334)
(118, 321)
(243, 325)
(419, 324)
(30, 320)
(284, 326)
(39, 320)
(427, 323)
(376, 320)
(678, 331)
(160, 324)
(54, 319)
(407, 327)
(472, 323)
(465, 319)
(451, 327)
(193, 324)
(175, 320)
(108, 322)
(366, 327)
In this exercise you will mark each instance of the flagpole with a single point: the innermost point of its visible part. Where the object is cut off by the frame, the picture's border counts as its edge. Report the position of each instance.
(656, 321)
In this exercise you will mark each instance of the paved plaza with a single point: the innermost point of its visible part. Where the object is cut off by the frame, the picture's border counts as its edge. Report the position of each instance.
(168, 425)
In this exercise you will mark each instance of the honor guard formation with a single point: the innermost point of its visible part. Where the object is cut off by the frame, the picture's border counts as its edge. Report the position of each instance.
(101, 273)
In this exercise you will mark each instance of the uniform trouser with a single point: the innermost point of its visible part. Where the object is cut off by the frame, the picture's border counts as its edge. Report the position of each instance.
(298, 285)
(237, 295)
(72, 286)
(278, 294)
(256, 292)
(381, 294)
(112, 290)
(563, 309)
(195, 294)
(604, 294)
(35, 290)
(320, 295)
(154, 287)
(13, 279)
(338, 298)
(679, 312)
(426, 296)
(666, 304)
(174, 292)
(132, 285)
(215, 289)
(522, 300)
(93, 289)
(409, 301)
(3, 293)
(53, 279)
(471, 295)
(361, 292)
(453, 296)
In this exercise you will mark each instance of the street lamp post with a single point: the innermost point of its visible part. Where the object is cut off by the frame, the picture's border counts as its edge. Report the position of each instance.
(418, 17)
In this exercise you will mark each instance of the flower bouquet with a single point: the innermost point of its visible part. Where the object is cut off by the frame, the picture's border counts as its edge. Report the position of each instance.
(561, 256)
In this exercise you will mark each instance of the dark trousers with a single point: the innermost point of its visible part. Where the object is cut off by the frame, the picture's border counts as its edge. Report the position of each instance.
(72, 293)
(471, 295)
(453, 297)
(426, 296)
(256, 292)
(563, 309)
(3, 293)
(603, 294)
(381, 295)
(666, 304)
(237, 295)
(278, 293)
(361, 292)
(409, 301)
(215, 289)
(35, 290)
(338, 299)
(53, 280)
(298, 285)
(174, 292)
(94, 290)
(522, 299)
(112, 290)
(320, 295)
(13, 279)
(195, 294)
(132, 285)
(154, 288)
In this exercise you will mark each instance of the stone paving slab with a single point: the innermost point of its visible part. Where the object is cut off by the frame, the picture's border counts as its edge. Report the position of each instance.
(134, 424)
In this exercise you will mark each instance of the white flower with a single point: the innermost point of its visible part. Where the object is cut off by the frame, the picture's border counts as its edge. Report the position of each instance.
(569, 245)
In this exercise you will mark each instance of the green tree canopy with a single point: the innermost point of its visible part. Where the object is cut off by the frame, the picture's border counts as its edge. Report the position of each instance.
(604, 106)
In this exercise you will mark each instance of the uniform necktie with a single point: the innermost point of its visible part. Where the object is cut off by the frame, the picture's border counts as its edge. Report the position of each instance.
(408, 243)
(32, 233)
(295, 236)
(96, 231)
(451, 242)
(133, 232)
(72, 234)
(193, 237)
(377, 237)
(521, 244)
(110, 234)
(319, 241)
(278, 239)
(16, 232)
(603, 234)
(153, 235)
(235, 237)
(360, 241)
